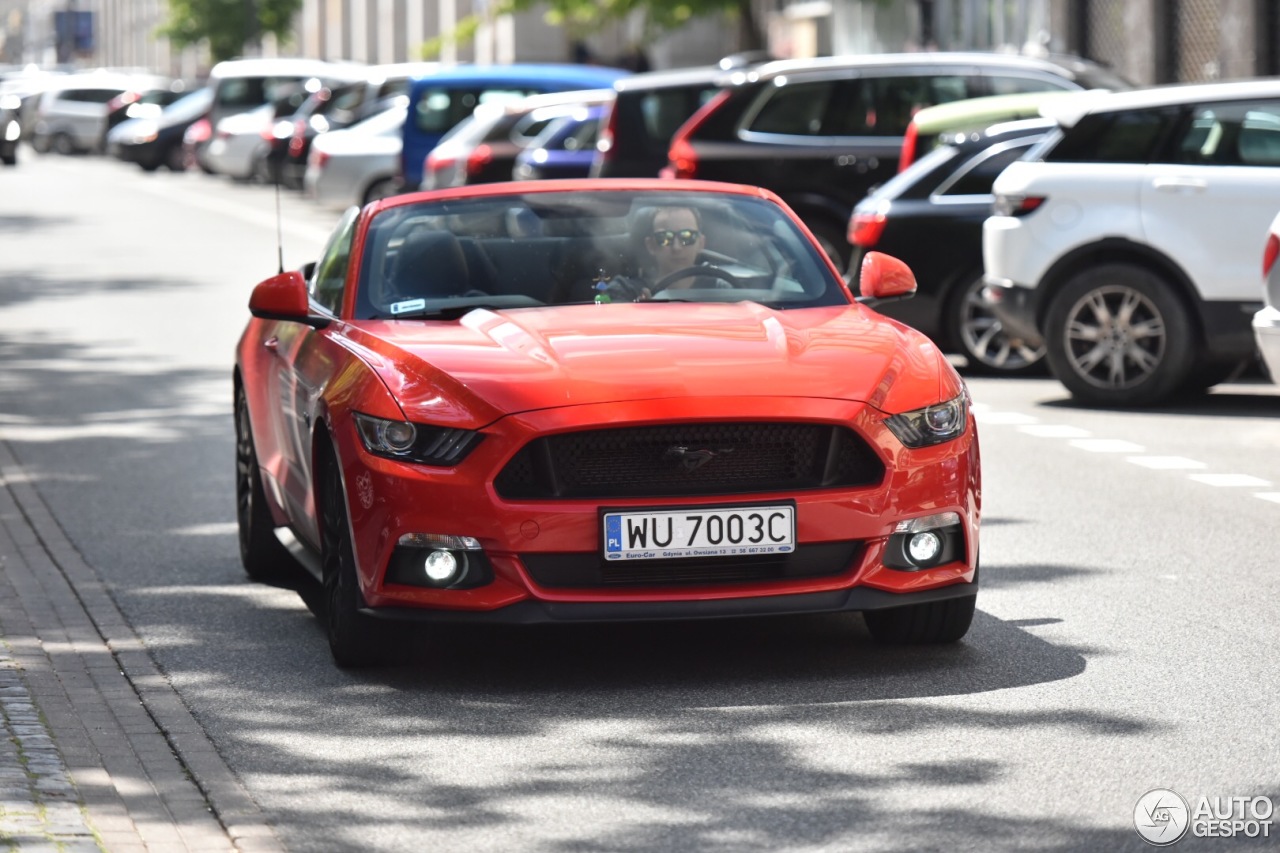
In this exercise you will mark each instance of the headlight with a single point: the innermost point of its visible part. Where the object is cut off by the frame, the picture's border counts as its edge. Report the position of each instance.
(428, 445)
(930, 425)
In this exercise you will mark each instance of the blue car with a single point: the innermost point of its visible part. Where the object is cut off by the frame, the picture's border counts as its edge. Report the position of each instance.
(440, 100)
(564, 149)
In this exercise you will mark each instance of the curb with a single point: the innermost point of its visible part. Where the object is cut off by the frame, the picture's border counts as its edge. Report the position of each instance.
(146, 775)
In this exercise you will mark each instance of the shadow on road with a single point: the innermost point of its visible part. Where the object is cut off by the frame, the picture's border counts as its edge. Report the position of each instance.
(759, 734)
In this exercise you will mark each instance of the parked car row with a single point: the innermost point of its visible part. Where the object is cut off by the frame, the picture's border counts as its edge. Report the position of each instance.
(905, 154)
(1126, 242)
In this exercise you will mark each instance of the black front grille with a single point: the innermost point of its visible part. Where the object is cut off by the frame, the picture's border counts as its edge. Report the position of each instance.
(690, 459)
(591, 570)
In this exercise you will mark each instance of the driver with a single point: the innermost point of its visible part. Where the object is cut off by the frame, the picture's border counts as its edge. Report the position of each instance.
(672, 238)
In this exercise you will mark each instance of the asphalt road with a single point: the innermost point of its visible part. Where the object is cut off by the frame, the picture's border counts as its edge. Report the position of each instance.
(1125, 638)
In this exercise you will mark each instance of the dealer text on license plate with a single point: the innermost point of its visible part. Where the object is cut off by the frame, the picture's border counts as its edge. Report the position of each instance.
(698, 532)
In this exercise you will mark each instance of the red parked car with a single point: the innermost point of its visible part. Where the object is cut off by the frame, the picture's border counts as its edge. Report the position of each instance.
(500, 403)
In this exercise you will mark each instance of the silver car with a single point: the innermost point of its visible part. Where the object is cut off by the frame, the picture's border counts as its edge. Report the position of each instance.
(71, 114)
(359, 164)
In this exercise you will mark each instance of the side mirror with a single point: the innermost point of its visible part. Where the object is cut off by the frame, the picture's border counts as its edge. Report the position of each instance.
(883, 278)
(284, 297)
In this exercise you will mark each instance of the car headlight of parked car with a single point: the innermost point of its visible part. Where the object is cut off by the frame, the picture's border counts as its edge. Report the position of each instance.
(932, 424)
(429, 445)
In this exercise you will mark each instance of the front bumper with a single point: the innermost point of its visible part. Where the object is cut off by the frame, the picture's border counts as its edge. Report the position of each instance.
(388, 499)
(1013, 306)
(535, 612)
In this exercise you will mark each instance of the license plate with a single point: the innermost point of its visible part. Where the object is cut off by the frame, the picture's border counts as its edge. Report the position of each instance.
(699, 532)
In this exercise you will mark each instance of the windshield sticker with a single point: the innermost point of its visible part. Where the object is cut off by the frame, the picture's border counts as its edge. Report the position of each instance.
(408, 305)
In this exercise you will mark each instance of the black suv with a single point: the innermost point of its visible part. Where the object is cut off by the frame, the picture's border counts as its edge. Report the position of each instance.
(648, 108)
(931, 216)
(822, 132)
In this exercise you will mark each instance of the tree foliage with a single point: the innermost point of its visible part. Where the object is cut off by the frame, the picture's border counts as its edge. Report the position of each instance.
(231, 27)
(580, 17)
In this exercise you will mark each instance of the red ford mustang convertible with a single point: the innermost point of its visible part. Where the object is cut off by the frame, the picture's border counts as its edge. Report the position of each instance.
(577, 401)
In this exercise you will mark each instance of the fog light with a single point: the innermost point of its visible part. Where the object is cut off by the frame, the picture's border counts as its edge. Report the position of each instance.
(441, 565)
(923, 548)
(925, 542)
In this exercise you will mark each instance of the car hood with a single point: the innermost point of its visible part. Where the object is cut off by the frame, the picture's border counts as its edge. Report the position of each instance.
(494, 363)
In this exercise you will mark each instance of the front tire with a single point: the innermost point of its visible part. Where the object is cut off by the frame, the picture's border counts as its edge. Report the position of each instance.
(354, 639)
(261, 553)
(1118, 335)
(943, 621)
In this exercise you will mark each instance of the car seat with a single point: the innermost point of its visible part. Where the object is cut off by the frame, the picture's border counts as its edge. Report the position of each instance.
(429, 265)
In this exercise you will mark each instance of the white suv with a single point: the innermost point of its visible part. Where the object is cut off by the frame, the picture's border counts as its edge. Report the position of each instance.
(1127, 242)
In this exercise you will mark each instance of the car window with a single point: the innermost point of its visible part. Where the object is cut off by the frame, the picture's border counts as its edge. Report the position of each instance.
(884, 106)
(663, 111)
(976, 175)
(869, 106)
(1120, 137)
(795, 109)
(89, 96)
(392, 87)
(530, 127)
(583, 137)
(440, 109)
(433, 259)
(329, 280)
(242, 92)
(1012, 84)
(1234, 134)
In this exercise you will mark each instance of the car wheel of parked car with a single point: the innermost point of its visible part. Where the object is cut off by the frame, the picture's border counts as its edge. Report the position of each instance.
(933, 622)
(1118, 335)
(9, 159)
(261, 553)
(979, 335)
(63, 143)
(831, 237)
(175, 160)
(353, 638)
(384, 188)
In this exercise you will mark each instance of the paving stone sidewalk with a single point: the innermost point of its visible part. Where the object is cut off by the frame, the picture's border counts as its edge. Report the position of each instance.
(97, 750)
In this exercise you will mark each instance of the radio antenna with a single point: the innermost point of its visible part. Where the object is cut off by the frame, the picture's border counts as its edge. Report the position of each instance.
(279, 227)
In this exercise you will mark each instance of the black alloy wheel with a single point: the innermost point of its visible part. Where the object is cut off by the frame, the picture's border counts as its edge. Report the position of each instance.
(354, 640)
(384, 188)
(63, 143)
(833, 240)
(261, 553)
(981, 339)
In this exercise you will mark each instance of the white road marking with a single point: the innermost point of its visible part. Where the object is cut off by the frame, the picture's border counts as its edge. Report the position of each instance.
(1003, 417)
(1167, 463)
(1230, 480)
(1106, 445)
(1055, 431)
(1083, 440)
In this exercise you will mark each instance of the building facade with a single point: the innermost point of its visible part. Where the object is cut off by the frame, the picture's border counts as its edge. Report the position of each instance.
(1148, 41)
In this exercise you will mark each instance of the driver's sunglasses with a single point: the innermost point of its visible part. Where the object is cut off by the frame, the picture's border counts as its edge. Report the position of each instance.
(686, 236)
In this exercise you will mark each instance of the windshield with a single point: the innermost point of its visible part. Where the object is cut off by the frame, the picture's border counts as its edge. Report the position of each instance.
(440, 259)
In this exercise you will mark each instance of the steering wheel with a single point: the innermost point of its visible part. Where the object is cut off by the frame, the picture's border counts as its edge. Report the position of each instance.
(692, 272)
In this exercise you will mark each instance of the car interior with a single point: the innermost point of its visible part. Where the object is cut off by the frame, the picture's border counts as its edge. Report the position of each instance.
(552, 249)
